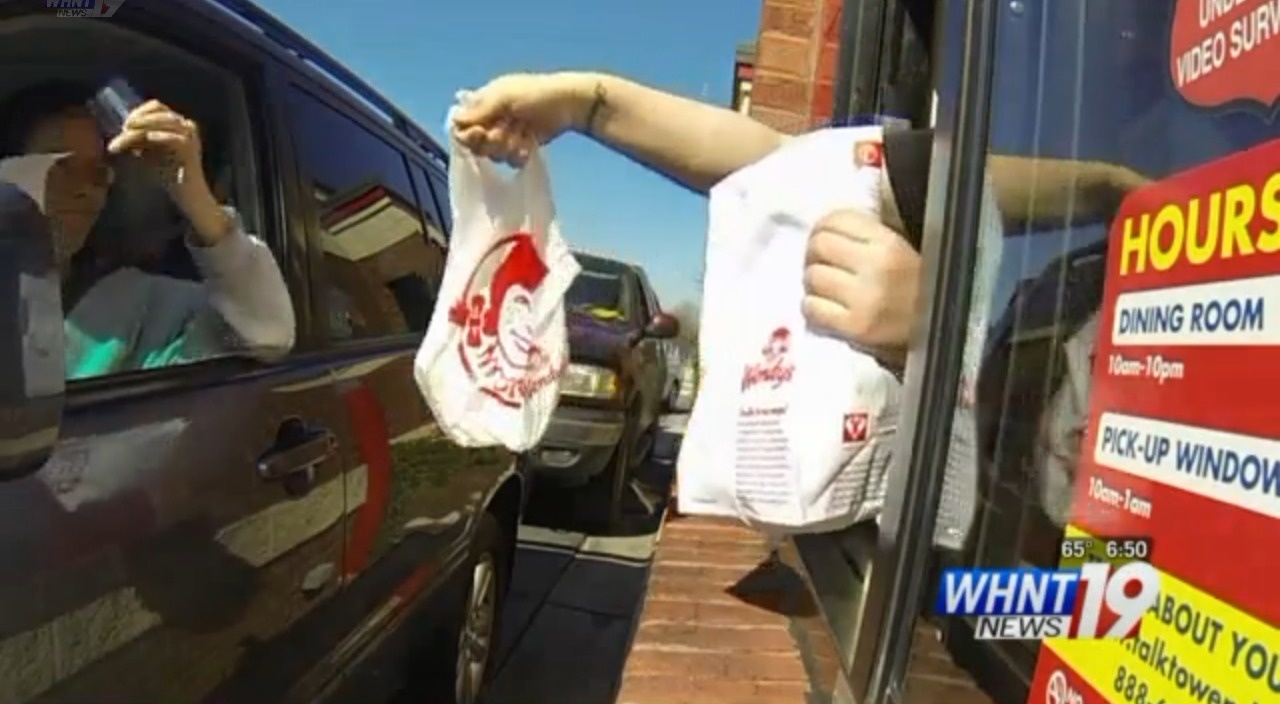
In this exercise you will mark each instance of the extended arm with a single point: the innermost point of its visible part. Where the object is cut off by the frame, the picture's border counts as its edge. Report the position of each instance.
(245, 290)
(692, 143)
(1038, 192)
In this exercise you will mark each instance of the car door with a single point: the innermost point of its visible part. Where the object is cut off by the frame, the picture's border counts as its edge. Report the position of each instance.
(378, 244)
(189, 514)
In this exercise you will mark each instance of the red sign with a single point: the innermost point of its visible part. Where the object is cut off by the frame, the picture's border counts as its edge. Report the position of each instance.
(1183, 437)
(855, 427)
(869, 154)
(1226, 50)
(1188, 342)
(1058, 684)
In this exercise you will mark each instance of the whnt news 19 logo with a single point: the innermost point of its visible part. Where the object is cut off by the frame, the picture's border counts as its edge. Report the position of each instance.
(1096, 600)
(84, 8)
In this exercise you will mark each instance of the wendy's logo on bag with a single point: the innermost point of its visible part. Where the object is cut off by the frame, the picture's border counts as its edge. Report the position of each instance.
(498, 346)
(869, 154)
(773, 367)
(855, 428)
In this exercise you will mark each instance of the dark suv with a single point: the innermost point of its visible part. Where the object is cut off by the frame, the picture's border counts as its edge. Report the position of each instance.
(613, 392)
(233, 530)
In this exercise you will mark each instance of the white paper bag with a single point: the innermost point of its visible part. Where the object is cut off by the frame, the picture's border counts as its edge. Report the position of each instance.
(490, 364)
(793, 429)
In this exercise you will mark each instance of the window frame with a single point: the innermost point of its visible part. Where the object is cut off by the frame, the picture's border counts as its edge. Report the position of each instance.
(644, 302)
(441, 192)
(208, 37)
(903, 561)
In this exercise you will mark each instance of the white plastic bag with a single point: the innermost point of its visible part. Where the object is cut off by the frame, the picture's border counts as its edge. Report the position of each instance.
(792, 428)
(490, 364)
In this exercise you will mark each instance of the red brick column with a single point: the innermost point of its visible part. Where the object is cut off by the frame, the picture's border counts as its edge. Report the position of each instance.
(795, 65)
(827, 50)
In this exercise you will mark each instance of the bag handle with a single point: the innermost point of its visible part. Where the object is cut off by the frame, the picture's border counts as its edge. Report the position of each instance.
(519, 202)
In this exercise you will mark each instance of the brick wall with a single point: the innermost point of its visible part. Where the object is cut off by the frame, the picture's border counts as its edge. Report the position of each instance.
(795, 64)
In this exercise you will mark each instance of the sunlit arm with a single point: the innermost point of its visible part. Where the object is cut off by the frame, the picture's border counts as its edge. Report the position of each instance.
(243, 285)
(692, 143)
(1036, 192)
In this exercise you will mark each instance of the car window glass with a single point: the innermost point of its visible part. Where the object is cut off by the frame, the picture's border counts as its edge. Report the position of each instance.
(137, 296)
(1089, 337)
(382, 266)
(599, 293)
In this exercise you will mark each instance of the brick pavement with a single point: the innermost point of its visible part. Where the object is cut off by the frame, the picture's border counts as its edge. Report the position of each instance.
(714, 628)
(718, 628)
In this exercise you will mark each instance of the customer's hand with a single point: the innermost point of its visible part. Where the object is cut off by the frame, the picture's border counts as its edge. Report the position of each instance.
(861, 282)
(170, 142)
(512, 114)
(161, 136)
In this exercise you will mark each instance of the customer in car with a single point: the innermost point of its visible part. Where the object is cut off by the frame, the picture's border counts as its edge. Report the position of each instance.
(862, 278)
(130, 319)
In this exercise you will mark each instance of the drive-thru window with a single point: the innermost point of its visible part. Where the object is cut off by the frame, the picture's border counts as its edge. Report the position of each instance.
(1128, 383)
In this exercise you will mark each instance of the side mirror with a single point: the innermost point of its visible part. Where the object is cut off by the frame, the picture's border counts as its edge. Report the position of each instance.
(32, 373)
(662, 327)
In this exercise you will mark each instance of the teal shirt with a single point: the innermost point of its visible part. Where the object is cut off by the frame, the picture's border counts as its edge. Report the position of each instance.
(132, 320)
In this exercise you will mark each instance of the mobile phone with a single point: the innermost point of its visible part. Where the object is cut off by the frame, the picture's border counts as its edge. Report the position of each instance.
(112, 104)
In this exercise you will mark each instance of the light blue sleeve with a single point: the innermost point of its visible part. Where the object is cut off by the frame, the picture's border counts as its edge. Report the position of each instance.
(246, 307)
(132, 320)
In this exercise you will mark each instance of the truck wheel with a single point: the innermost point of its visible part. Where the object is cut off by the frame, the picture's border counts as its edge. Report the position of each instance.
(476, 646)
(613, 481)
(456, 658)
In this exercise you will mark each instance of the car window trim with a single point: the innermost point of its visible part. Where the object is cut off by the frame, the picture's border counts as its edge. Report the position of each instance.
(645, 306)
(419, 172)
(222, 370)
(132, 385)
(443, 207)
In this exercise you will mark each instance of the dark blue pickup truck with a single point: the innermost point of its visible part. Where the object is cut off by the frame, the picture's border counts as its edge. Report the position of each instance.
(615, 388)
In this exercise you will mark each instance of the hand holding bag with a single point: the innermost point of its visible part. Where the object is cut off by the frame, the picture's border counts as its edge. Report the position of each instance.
(793, 428)
(490, 364)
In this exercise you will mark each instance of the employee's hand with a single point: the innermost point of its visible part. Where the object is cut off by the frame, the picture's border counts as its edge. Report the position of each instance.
(1121, 181)
(861, 282)
(512, 114)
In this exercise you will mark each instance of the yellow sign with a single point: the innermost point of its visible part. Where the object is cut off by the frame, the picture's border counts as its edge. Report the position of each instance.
(1193, 649)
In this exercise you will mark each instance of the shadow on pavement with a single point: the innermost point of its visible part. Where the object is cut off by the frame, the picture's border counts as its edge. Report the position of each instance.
(568, 620)
(774, 586)
(574, 597)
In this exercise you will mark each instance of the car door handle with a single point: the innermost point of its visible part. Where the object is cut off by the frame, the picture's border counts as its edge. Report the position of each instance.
(299, 449)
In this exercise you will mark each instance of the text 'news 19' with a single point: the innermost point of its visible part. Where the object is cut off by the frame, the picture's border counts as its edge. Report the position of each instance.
(1096, 600)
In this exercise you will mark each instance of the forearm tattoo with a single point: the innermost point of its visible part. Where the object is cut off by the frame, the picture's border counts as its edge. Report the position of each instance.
(593, 113)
